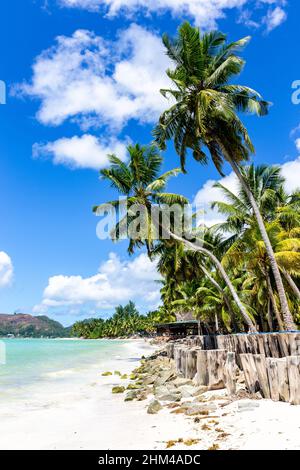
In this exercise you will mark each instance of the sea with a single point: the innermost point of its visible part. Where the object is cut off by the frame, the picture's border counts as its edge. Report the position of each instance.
(28, 362)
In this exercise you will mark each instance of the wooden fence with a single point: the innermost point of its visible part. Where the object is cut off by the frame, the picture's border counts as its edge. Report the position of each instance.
(270, 362)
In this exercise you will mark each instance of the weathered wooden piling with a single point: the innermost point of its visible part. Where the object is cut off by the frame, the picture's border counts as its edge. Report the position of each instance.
(270, 362)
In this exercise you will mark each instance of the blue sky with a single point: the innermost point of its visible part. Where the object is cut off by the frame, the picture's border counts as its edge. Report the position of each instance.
(72, 100)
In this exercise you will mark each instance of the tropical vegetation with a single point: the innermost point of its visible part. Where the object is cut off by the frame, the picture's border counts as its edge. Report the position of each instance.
(238, 275)
(126, 321)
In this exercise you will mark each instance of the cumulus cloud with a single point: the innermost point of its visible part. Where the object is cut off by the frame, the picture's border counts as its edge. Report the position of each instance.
(116, 281)
(97, 82)
(81, 152)
(204, 12)
(208, 193)
(274, 18)
(6, 269)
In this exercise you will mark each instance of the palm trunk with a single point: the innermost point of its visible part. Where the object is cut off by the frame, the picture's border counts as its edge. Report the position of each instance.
(292, 283)
(223, 273)
(219, 288)
(216, 323)
(199, 328)
(269, 316)
(287, 316)
(274, 304)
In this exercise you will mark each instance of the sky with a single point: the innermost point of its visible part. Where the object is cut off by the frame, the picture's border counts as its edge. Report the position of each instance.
(82, 80)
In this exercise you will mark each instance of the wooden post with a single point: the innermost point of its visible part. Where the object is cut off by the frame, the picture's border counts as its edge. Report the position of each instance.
(273, 378)
(283, 380)
(294, 344)
(293, 366)
(215, 364)
(230, 373)
(202, 372)
(283, 341)
(261, 369)
(249, 368)
(191, 363)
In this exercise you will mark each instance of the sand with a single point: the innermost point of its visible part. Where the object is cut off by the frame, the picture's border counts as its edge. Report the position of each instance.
(83, 414)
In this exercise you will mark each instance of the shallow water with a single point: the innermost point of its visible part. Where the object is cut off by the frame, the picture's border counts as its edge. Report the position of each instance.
(39, 361)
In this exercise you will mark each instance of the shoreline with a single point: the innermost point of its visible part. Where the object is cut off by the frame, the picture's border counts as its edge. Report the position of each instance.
(86, 415)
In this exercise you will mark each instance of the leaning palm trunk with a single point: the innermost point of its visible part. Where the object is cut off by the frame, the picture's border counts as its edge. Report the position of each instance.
(219, 288)
(292, 283)
(223, 273)
(287, 316)
(274, 304)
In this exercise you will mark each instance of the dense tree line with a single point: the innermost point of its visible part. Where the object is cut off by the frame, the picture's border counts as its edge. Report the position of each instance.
(126, 321)
(242, 274)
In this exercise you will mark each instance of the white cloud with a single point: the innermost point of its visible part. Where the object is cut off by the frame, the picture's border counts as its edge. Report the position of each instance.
(81, 152)
(116, 282)
(274, 18)
(204, 12)
(6, 269)
(207, 194)
(297, 143)
(291, 171)
(96, 82)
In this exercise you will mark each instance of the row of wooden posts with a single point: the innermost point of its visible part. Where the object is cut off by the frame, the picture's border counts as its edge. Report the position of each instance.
(270, 363)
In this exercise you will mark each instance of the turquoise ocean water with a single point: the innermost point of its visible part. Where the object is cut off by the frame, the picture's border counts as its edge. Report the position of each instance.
(31, 361)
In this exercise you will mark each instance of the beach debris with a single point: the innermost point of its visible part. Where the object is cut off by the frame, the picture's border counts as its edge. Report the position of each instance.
(223, 435)
(186, 442)
(171, 443)
(154, 407)
(205, 427)
(193, 412)
(214, 446)
(191, 442)
(118, 389)
(106, 374)
(198, 419)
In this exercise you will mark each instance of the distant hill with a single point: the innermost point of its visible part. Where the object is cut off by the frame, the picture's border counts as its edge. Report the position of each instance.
(28, 326)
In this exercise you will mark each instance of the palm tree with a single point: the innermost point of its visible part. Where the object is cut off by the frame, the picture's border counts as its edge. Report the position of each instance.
(143, 186)
(204, 114)
(173, 261)
(281, 213)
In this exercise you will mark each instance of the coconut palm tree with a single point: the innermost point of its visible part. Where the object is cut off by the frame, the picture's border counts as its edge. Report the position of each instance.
(142, 186)
(140, 183)
(281, 213)
(179, 265)
(204, 114)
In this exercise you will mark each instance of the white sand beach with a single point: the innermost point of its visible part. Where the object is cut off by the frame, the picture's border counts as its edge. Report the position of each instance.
(84, 414)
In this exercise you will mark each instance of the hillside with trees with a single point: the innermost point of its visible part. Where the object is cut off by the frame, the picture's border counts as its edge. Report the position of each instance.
(28, 326)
